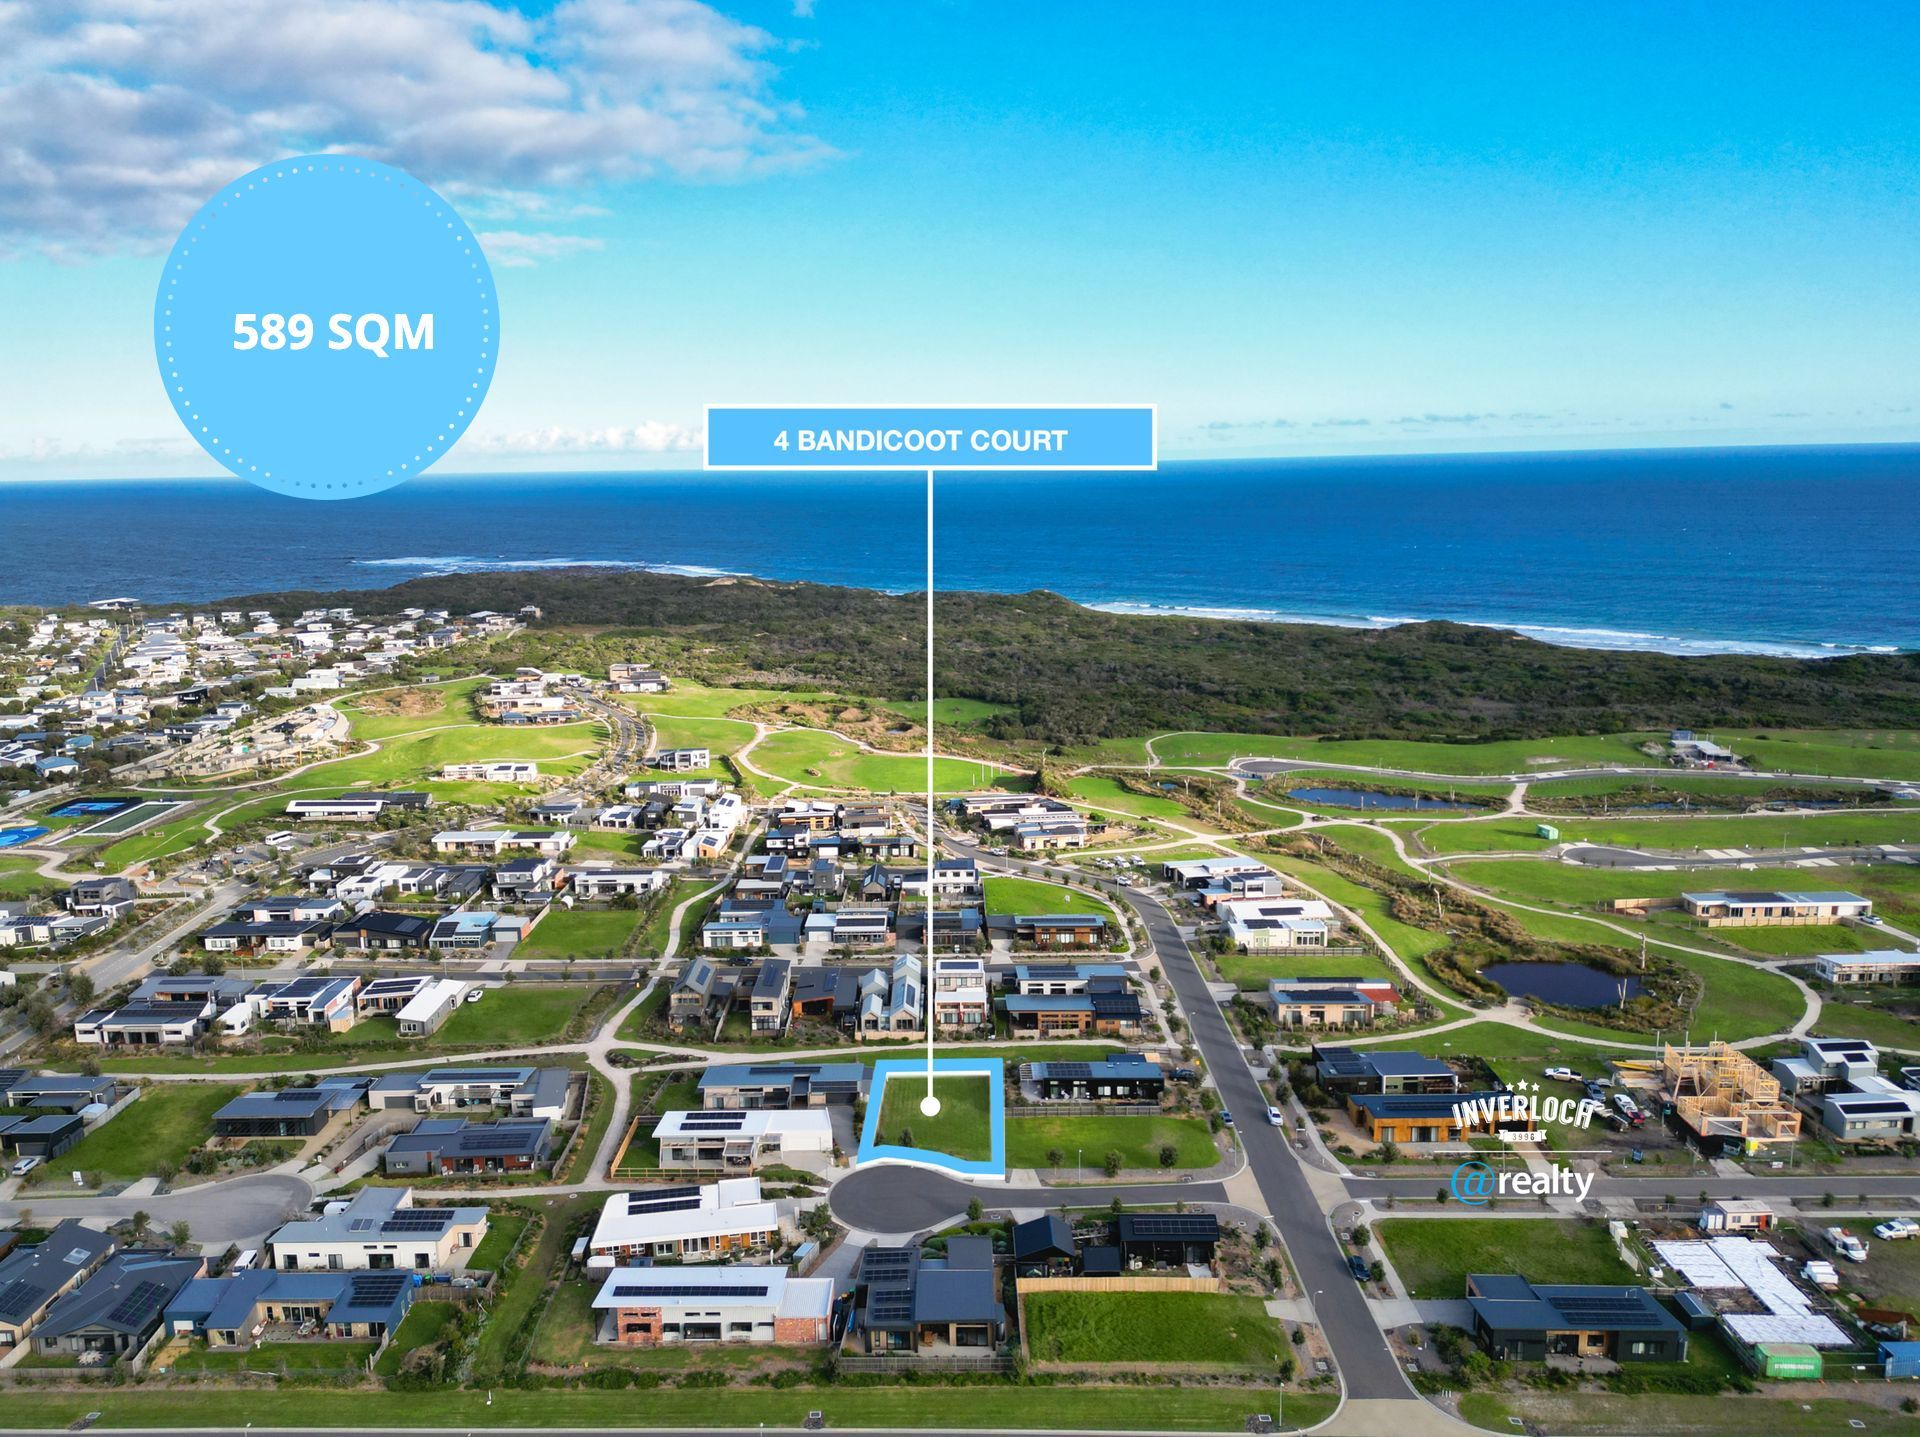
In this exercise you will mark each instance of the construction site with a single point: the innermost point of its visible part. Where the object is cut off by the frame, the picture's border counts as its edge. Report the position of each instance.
(1726, 1100)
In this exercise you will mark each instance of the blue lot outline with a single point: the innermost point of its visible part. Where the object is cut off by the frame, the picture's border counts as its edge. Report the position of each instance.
(910, 1069)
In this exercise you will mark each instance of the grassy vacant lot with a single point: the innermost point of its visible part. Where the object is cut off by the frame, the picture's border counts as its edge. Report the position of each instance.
(580, 933)
(1592, 1414)
(504, 1227)
(421, 1327)
(1137, 1140)
(1852, 753)
(1434, 1255)
(18, 879)
(1760, 830)
(1102, 792)
(164, 1124)
(281, 1357)
(523, 1014)
(1250, 971)
(960, 1129)
(829, 761)
(1194, 1329)
(720, 735)
(402, 711)
(1029, 895)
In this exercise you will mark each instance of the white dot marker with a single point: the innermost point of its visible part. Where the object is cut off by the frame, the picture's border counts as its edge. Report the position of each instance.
(930, 1106)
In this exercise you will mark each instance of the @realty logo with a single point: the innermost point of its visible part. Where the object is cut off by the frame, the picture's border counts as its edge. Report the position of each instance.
(1474, 1184)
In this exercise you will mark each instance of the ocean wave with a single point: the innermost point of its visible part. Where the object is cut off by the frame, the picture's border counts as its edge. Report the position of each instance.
(1564, 635)
(430, 565)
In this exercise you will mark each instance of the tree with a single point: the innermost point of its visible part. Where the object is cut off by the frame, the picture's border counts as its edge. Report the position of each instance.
(1113, 1162)
(1262, 1238)
(180, 1234)
(1056, 1158)
(80, 987)
(906, 1137)
(1169, 1155)
(974, 1209)
(141, 1221)
(1362, 1234)
(1441, 1197)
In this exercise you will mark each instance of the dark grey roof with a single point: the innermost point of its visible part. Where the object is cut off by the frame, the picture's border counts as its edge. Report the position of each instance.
(29, 1276)
(967, 1295)
(126, 1296)
(1046, 1234)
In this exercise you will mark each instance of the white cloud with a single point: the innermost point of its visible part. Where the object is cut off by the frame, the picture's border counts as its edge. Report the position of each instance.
(651, 437)
(516, 249)
(119, 117)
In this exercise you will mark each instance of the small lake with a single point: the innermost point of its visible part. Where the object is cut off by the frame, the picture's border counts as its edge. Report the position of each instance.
(1366, 798)
(1574, 984)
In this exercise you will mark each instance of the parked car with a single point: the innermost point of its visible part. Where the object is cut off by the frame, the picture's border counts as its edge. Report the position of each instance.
(1565, 1075)
(1896, 1228)
(24, 1166)
(1226, 1117)
(474, 994)
(1276, 1117)
(1357, 1265)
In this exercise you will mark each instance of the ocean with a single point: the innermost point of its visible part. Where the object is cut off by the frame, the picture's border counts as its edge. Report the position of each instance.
(1799, 551)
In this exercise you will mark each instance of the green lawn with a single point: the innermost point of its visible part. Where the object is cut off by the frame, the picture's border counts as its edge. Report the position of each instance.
(580, 933)
(18, 879)
(829, 761)
(288, 1357)
(1801, 1413)
(421, 1327)
(158, 1130)
(1193, 1329)
(1103, 792)
(1031, 896)
(691, 700)
(1509, 756)
(960, 1129)
(504, 1227)
(1137, 1140)
(1434, 1255)
(722, 736)
(522, 1014)
(1761, 830)
(1001, 1407)
(1250, 971)
(451, 704)
(1852, 754)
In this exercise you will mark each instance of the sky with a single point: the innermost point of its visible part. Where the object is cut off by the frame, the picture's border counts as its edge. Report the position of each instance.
(1298, 229)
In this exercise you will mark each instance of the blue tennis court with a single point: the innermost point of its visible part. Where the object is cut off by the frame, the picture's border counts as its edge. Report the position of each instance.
(13, 837)
(81, 807)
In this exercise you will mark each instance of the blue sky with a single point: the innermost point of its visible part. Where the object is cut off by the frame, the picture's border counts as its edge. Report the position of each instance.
(1297, 229)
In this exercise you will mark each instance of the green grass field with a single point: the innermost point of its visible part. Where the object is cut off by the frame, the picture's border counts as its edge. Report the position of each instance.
(523, 1015)
(1137, 1140)
(452, 703)
(421, 1327)
(580, 933)
(1846, 753)
(1099, 791)
(829, 761)
(1434, 1256)
(1250, 971)
(1683, 835)
(960, 1129)
(687, 699)
(504, 1227)
(290, 1357)
(159, 1129)
(1465, 759)
(18, 879)
(722, 736)
(1194, 1329)
(1031, 896)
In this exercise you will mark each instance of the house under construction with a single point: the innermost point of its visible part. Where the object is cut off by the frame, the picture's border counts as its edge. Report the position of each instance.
(1725, 1099)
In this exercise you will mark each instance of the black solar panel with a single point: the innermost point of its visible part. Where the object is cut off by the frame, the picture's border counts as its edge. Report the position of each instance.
(494, 1140)
(1187, 1227)
(1601, 1309)
(14, 1295)
(1068, 1070)
(701, 1290)
(727, 1122)
(378, 1287)
(138, 1305)
(417, 1220)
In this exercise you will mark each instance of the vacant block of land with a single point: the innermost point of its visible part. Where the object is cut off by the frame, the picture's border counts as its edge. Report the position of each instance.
(961, 1128)
(1193, 1329)
(1434, 1255)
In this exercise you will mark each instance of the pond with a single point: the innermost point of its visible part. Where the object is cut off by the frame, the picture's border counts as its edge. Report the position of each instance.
(1366, 798)
(1574, 984)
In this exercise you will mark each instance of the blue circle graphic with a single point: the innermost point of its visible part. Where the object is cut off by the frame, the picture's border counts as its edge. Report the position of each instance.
(326, 327)
(1473, 1184)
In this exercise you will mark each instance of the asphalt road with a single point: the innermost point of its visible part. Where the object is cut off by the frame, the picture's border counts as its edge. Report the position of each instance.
(892, 1198)
(1367, 1365)
(243, 1210)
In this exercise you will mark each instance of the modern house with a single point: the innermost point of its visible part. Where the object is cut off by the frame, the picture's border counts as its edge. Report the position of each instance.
(1107, 1007)
(1318, 1007)
(740, 1139)
(662, 1306)
(379, 1228)
(1054, 980)
(1881, 965)
(1275, 925)
(287, 1112)
(492, 842)
(101, 897)
(519, 1092)
(1119, 1078)
(1374, 1070)
(1825, 1064)
(943, 1307)
(1518, 1320)
(430, 1007)
(960, 995)
(233, 1312)
(45, 1137)
(32, 1278)
(768, 1007)
(380, 932)
(1735, 1215)
(116, 1310)
(1721, 909)
(782, 1085)
(722, 1220)
(1061, 930)
(446, 1146)
(1044, 1246)
(1166, 1239)
(1402, 1118)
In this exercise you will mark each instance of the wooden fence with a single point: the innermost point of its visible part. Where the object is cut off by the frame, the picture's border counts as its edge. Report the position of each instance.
(1143, 1282)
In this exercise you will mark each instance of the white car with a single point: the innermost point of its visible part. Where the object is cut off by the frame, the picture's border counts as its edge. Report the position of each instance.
(475, 995)
(1897, 1228)
(1565, 1075)
(24, 1166)
(1276, 1117)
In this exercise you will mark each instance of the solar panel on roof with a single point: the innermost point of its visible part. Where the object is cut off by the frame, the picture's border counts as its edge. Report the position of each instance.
(417, 1220)
(1173, 1225)
(700, 1290)
(15, 1293)
(676, 1205)
(138, 1304)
